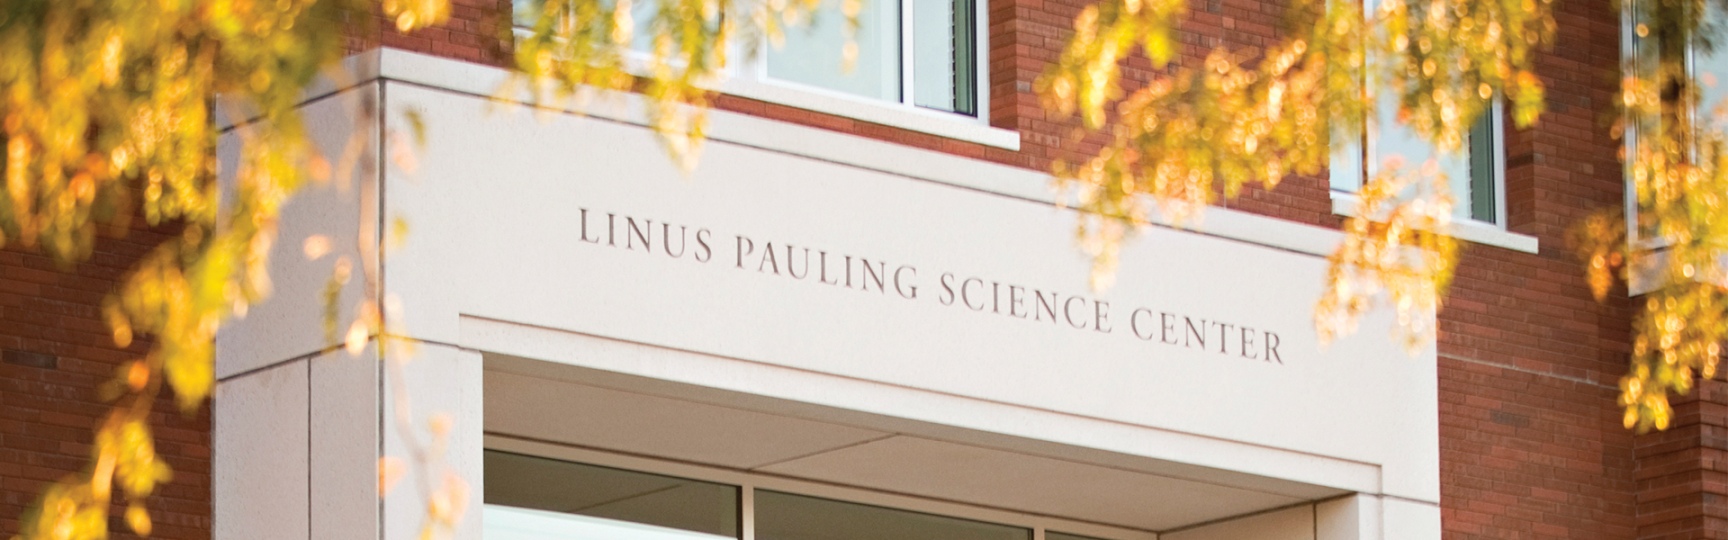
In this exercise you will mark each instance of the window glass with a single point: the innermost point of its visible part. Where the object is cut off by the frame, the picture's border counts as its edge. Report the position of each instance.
(1346, 166)
(586, 502)
(524, 12)
(942, 42)
(1475, 190)
(811, 53)
(783, 516)
(1473, 176)
(932, 64)
(1710, 69)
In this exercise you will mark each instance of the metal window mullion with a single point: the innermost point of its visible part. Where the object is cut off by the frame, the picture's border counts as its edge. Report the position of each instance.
(747, 511)
(906, 52)
(756, 65)
(981, 60)
(1499, 176)
(963, 70)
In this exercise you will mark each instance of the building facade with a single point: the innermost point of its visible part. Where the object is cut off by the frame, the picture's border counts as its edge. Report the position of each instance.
(862, 316)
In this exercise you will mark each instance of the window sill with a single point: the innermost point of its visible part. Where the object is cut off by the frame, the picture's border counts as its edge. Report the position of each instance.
(1344, 204)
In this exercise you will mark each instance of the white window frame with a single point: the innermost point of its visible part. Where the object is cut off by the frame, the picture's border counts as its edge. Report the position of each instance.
(748, 78)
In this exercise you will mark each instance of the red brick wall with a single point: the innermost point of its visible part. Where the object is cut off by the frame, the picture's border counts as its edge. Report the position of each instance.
(1531, 441)
(1683, 473)
(54, 352)
(478, 31)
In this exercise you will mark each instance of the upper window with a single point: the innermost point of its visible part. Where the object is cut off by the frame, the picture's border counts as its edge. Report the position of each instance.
(916, 54)
(1646, 45)
(1476, 177)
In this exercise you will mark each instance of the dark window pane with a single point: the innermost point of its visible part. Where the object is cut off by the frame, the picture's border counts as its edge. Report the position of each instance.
(783, 516)
(1482, 193)
(612, 495)
(943, 68)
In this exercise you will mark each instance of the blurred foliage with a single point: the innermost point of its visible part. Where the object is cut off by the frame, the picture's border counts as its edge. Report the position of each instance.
(1197, 132)
(1676, 242)
(1202, 130)
(574, 47)
(108, 110)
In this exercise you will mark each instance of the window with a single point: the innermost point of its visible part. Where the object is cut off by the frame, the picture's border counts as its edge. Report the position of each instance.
(931, 65)
(917, 56)
(1708, 69)
(1476, 178)
(525, 13)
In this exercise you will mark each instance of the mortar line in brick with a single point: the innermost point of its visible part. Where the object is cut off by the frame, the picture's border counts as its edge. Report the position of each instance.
(1527, 371)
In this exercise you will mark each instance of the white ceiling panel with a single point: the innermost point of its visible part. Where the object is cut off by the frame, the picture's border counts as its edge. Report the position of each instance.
(1028, 483)
(641, 424)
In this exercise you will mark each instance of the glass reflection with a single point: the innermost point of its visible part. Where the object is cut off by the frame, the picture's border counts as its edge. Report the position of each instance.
(784, 516)
(573, 501)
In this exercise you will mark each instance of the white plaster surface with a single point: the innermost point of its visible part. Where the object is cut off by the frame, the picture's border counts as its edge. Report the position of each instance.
(260, 461)
(344, 445)
(290, 323)
(743, 385)
(1356, 517)
(957, 472)
(1410, 520)
(1295, 523)
(445, 381)
(642, 424)
(827, 145)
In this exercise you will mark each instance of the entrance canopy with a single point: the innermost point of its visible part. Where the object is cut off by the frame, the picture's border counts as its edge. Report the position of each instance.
(538, 401)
